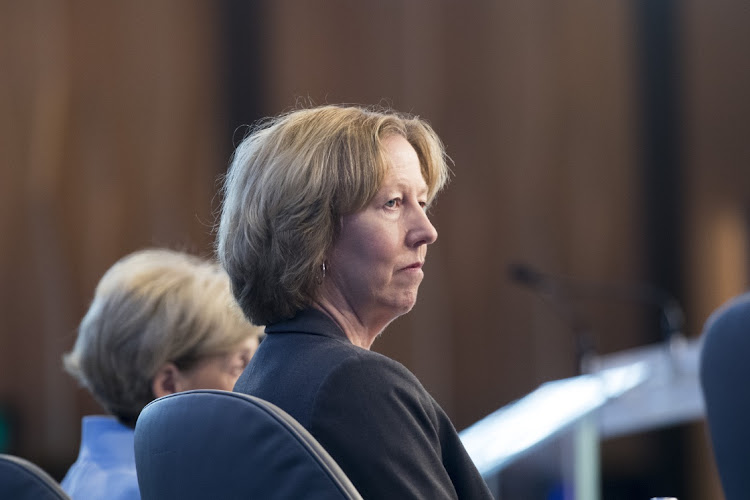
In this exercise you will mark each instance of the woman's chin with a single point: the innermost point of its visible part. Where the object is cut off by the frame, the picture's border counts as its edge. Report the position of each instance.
(403, 305)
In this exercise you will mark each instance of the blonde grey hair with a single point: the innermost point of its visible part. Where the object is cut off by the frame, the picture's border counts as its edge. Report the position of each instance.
(288, 185)
(152, 307)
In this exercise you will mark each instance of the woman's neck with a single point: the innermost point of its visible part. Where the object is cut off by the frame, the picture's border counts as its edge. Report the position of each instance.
(360, 331)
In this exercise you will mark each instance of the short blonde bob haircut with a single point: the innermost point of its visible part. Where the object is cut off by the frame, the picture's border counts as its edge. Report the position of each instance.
(290, 182)
(152, 307)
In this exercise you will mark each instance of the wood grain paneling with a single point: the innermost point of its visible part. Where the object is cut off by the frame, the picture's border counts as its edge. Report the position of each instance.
(111, 123)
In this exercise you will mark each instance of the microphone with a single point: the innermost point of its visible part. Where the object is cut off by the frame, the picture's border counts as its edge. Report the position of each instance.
(564, 290)
(523, 274)
(672, 315)
(550, 288)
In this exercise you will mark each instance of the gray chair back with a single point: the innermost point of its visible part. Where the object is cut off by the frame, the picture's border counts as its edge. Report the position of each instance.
(22, 480)
(218, 444)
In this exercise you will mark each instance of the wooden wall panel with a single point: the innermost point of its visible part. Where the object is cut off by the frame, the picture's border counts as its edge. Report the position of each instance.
(112, 126)
(717, 124)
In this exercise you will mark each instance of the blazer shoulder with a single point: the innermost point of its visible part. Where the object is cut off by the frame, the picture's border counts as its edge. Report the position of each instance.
(367, 380)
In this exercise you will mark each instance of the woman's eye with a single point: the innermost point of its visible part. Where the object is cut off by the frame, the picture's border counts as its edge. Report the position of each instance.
(394, 203)
(423, 205)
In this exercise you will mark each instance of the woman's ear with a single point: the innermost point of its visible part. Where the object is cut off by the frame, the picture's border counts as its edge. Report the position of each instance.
(166, 380)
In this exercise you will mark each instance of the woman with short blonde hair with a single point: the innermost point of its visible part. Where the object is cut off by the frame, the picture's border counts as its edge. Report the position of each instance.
(161, 321)
(292, 180)
(324, 233)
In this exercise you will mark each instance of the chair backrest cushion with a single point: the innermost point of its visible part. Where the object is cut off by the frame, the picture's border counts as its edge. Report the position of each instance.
(219, 444)
(725, 380)
(22, 480)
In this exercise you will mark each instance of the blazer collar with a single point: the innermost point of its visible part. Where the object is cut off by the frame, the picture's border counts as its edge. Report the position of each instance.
(311, 321)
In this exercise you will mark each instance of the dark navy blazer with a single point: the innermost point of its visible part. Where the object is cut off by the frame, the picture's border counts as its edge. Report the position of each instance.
(368, 411)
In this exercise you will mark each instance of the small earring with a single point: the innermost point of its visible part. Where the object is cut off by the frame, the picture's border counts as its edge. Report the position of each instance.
(323, 273)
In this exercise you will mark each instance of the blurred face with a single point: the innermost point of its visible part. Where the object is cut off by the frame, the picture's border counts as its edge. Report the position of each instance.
(376, 263)
(218, 372)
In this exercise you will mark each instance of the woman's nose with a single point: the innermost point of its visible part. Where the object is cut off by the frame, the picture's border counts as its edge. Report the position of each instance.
(422, 231)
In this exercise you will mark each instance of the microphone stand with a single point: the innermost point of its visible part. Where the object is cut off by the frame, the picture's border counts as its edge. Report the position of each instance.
(550, 292)
(564, 290)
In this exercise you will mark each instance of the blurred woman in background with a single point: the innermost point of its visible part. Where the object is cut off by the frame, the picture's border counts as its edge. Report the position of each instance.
(161, 322)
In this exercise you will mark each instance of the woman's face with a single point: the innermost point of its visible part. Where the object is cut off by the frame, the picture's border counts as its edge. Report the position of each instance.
(376, 263)
(220, 371)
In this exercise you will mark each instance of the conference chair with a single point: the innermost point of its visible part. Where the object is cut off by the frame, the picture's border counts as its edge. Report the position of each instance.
(22, 480)
(725, 380)
(218, 444)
